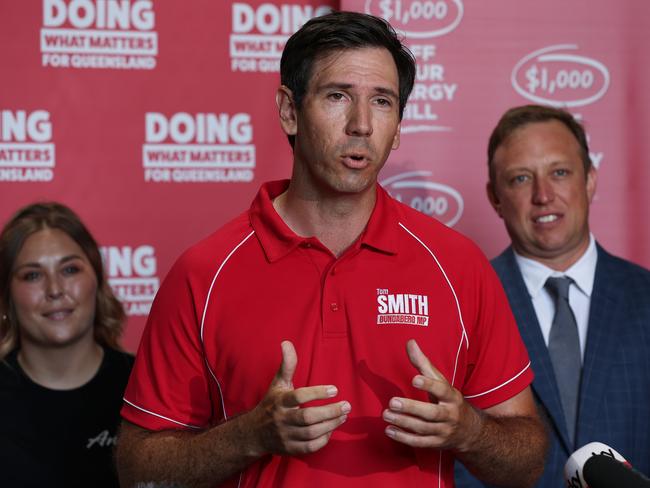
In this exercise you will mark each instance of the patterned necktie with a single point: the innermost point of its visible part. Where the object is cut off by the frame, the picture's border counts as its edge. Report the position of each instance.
(564, 348)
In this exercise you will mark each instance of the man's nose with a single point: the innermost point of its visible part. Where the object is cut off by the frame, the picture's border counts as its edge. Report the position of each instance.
(543, 192)
(359, 119)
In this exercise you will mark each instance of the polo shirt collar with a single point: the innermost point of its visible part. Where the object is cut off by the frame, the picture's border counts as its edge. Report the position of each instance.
(382, 230)
(278, 240)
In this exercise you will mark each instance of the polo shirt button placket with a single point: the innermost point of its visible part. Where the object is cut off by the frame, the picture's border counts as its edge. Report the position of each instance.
(334, 321)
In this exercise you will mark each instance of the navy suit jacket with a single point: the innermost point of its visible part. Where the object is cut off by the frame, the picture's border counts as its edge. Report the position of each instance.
(614, 404)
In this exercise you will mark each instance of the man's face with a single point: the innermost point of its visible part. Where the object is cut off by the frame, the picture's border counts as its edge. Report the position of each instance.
(348, 122)
(541, 192)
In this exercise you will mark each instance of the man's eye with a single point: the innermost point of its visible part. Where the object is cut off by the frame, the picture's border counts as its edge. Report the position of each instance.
(561, 172)
(336, 96)
(520, 179)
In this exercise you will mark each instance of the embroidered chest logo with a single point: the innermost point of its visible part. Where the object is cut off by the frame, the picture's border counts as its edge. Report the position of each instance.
(402, 308)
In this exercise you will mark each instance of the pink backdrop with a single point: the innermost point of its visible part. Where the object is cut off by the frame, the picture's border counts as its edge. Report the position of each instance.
(156, 120)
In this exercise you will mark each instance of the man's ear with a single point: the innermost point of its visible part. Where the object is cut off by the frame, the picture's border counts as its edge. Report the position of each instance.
(396, 137)
(286, 110)
(493, 198)
(592, 180)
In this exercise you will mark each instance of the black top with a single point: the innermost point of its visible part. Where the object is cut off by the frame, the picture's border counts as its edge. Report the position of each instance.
(60, 438)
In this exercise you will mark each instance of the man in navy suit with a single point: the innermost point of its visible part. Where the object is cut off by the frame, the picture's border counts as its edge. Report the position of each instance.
(541, 183)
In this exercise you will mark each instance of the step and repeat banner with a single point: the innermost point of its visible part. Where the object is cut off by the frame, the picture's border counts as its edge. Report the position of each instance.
(156, 120)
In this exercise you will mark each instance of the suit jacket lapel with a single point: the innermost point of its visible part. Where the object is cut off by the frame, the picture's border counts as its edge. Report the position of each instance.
(600, 353)
(544, 385)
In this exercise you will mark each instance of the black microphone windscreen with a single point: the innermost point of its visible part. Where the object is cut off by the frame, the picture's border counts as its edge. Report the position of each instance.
(602, 471)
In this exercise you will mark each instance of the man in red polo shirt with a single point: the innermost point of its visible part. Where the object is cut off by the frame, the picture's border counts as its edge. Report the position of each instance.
(331, 336)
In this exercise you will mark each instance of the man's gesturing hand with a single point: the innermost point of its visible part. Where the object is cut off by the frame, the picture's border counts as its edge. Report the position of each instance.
(446, 422)
(283, 426)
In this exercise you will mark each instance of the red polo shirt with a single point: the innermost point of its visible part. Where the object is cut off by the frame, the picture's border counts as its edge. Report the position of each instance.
(212, 341)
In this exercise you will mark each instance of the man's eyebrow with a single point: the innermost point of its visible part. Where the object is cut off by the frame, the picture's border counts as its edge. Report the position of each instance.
(387, 91)
(346, 86)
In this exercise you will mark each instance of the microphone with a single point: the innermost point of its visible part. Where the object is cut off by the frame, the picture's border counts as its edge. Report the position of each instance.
(596, 465)
(602, 471)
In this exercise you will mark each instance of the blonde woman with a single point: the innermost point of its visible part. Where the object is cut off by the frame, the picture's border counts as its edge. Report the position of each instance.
(62, 371)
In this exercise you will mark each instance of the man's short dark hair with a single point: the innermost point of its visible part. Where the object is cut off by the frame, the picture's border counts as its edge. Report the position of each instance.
(338, 31)
(517, 117)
